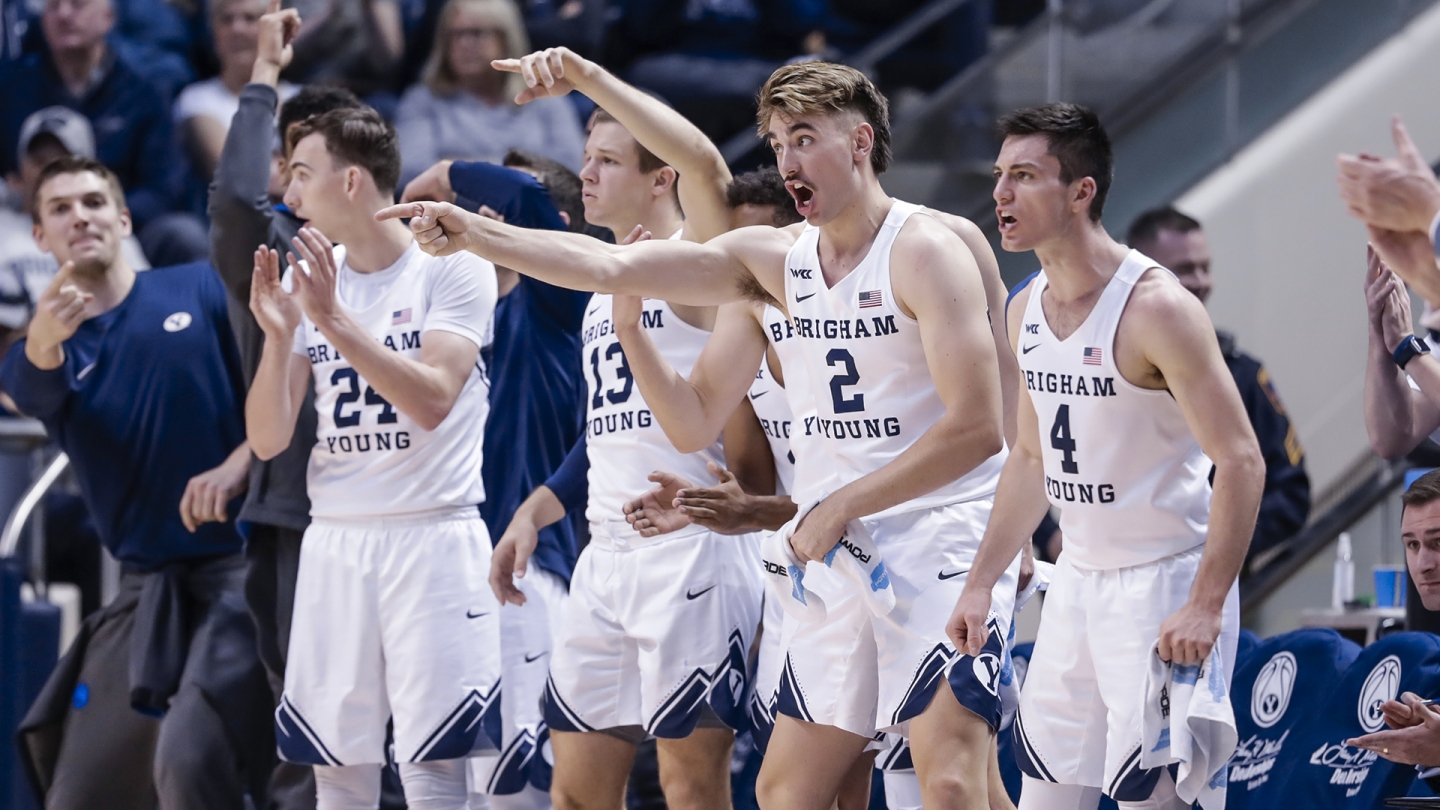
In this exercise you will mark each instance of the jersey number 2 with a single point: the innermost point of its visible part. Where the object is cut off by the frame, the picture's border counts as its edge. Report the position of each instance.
(849, 376)
(1061, 440)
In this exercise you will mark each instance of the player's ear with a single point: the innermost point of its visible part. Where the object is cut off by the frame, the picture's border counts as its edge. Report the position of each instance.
(352, 181)
(1082, 194)
(665, 178)
(565, 218)
(862, 141)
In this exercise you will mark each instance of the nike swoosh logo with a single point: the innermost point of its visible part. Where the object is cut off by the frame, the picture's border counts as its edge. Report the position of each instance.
(689, 595)
(1028, 349)
(944, 576)
(470, 615)
(530, 659)
(85, 371)
(800, 298)
(593, 310)
(757, 396)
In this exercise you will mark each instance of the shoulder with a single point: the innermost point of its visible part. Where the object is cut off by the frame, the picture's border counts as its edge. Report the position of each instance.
(925, 239)
(1158, 300)
(958, 225)
(457, 268)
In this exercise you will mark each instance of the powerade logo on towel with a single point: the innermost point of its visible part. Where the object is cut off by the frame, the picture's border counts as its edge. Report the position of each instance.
(1349, 766)
(1255, 757)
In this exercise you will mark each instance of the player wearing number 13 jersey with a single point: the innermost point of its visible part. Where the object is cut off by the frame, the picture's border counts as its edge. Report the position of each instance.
(1126, 401)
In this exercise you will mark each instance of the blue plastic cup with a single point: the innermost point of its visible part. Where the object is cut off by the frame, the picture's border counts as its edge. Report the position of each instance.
(1390, 586)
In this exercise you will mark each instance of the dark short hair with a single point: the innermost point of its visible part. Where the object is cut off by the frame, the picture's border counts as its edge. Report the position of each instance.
(313, 100)
(1074, 137)
(356, 136)
(76, 164)
(805, 88)
(763, 187)
(648, 161)
(1147, 227)
(563, 184)
(1426, 489)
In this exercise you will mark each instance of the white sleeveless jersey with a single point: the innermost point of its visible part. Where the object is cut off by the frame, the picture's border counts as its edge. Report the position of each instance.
(772, 408)
(623, 441)
(370, 459)
(811, 473)
(871, 386)
(1120, 461)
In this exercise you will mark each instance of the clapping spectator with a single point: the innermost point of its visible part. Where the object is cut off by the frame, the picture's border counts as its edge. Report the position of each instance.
(204, 109)
(130, 118)
(464, 109)
(1398, 414)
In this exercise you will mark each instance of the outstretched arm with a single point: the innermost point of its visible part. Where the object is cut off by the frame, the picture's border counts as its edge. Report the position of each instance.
(935, 278)
(658, 128)
(680, 272)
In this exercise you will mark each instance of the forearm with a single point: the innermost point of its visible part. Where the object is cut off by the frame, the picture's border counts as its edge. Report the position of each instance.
(1389, 413)
(769, 512)
(1424, 369)
(1234, 504)
(539, 510)
(689, 420)
(421, 392)
(951, 448)
(270, 409)
(1020, 505)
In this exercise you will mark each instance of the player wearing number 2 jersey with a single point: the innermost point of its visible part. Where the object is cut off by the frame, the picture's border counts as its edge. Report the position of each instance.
(829, 128)
(1126, 401)
(394, 630)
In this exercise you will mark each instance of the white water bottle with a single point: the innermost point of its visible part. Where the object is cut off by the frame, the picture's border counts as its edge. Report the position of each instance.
(1342, 588)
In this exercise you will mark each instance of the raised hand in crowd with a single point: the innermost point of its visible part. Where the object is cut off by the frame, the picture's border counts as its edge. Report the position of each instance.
(548, 73)
(278, 28)
(58, 313)
(1397, 194)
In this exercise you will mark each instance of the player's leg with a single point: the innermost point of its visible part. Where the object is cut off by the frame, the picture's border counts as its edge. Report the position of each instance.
(196, 762)
(435, 785)
(807, 765)
(1037, 794)
(855, 789)
(347, 787)
(591, 769)
(695, 770)
(952, 754)
(999, 798)
(1161, 798)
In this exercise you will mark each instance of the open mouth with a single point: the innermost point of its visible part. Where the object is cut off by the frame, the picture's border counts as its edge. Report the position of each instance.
(803, 194)
(1006, 221)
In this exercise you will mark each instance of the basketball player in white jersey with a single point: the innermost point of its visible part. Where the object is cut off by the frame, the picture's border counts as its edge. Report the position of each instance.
(890, 311)
(654, 636)
(1127, 402)
(393, 623)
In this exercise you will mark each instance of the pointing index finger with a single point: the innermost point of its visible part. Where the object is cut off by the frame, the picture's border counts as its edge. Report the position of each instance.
(401, 211)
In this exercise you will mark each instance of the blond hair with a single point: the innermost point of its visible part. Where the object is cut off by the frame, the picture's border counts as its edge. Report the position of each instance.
(440, 77)
(806, 88)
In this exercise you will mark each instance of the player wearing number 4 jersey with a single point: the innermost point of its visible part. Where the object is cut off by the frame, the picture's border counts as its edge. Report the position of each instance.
(908, 399)
(1126, 401)
(394, 628)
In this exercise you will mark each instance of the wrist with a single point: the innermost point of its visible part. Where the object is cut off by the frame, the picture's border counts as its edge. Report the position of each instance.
(265, 72)
(45, 356)
(1408, 349)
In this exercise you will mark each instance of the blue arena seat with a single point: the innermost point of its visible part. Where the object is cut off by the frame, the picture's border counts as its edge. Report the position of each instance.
(1247, 644)
(1282, 682)
(1318, 769)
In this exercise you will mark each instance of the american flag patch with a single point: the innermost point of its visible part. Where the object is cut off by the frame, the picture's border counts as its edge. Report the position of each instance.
(871, 298)
(400, 317)
(1092, 356)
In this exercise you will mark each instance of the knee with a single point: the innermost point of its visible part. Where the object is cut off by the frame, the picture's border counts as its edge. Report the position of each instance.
(772, 791)
(956, 787)
(565, 797)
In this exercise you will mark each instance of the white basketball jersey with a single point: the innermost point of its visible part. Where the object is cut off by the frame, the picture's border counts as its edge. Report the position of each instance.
(624, 442)
(871, 386)
(370, 459)
(772, 408)
(1121, 463)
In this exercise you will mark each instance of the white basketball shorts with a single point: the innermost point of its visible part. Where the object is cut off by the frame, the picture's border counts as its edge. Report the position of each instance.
(865, 673)
(766, 679)
(656, 634)
(394, 621)
(527, 633)
(1080, 705)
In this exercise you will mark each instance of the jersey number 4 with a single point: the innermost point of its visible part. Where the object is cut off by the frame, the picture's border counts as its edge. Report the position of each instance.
(348, 377)
(1061, 440)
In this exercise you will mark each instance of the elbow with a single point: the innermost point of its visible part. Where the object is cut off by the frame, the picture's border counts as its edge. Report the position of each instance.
(1247, 465)
(1389, 447)
(265, 450)
(989, 438)
(688, 444)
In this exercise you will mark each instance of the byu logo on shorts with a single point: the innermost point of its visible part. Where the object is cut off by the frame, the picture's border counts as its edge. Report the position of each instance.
(176, 322)
(1273, 687)
(1382, 684)
(987, 671)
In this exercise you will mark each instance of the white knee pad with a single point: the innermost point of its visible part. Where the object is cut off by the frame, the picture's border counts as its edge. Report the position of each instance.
(347, 787)
(531, 798)
(902, 790)
(1037, 794)
(1163, 798)
(438, 785)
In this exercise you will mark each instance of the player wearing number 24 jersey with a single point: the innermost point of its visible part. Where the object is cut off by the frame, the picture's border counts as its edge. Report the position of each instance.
(829, 128)
(1125, 402)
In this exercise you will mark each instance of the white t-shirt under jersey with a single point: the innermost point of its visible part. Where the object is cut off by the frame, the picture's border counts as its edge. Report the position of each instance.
(370, 459)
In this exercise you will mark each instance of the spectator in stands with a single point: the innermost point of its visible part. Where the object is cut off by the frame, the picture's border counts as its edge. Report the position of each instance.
(25, 269)
(1402, 380)
(155, 37)
(130, 118)
(245, 211)
(159, 481)
(1414, 734)
(204, 109)
(1177, 242)
(355, 44)
(465, 109)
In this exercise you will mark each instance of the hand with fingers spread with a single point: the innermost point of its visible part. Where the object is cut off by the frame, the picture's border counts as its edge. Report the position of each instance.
(550, 73)
(657, 512)
(1398, 194)
(274, 51)
(277, 311)
(432, 185)
(207, 494)
(316, 289)
(1188, 634)
(59, 312)
(1414, 734)
(441, 228)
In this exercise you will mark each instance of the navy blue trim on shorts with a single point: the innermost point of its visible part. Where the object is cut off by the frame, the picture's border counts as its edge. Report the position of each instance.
(473, 725)
(1131, 783)
(789, 700)
(296, 739)
(1025, 754)
(558, 715)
